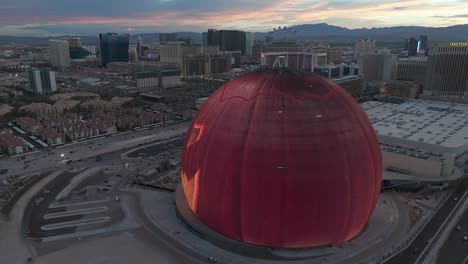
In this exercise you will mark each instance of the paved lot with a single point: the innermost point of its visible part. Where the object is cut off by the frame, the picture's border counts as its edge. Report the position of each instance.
(81, 214)
(117, 249)
(157, 149)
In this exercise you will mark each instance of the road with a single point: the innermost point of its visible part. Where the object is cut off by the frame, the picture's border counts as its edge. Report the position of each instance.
(413, 251)
(455, 249)
(13, 248)
(50, 158)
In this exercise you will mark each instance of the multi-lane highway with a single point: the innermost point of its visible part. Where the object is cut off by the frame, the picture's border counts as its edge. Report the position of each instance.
(50, 158)
(412, 253)
(455, 248)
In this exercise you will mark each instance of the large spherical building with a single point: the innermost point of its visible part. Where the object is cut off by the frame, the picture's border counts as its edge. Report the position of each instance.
(282, 159)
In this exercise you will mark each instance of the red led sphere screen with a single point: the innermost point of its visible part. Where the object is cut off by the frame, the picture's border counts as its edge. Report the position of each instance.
(282, 159)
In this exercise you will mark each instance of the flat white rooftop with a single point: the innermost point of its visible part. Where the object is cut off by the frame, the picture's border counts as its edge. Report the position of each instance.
(435, 123)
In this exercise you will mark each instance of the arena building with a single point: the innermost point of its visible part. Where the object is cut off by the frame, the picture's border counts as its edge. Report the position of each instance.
(420, 140)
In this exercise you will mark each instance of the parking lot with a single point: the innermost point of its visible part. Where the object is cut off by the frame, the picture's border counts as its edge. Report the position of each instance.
(157, 149)
(91, 204)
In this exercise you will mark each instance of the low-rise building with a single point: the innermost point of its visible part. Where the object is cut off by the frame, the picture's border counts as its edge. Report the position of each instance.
(51, 136)
(403, 89)
(48, 109)
(354, 85)
(96, 105)
(11, 144)
(164, 79)
(85, 132)
(59, 120)
(28, 124)
(104, 126)
(421, 141)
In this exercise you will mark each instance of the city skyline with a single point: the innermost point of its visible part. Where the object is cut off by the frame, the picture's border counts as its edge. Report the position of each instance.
(52, 18)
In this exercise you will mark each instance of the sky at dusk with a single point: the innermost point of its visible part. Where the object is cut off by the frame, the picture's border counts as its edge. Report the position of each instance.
(88, 17)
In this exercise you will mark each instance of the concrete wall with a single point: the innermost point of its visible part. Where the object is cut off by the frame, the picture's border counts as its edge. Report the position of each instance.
(429, 168)
(458, 151)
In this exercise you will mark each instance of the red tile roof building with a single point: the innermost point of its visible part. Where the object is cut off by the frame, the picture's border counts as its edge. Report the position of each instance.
(11, 144)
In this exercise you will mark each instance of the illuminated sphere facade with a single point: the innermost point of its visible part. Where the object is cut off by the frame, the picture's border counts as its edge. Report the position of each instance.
(282, 159)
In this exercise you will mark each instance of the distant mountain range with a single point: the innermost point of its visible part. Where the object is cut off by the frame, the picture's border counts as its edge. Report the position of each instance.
(318, 32)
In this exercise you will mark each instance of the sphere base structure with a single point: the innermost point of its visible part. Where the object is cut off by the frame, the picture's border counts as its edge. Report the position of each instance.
(205, 232)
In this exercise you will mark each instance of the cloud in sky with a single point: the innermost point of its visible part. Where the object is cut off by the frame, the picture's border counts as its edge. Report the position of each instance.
(454, 16)
(56, 17)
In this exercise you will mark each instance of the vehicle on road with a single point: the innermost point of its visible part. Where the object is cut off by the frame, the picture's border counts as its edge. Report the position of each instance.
(455, 199)
(3, 171)
(98, 158)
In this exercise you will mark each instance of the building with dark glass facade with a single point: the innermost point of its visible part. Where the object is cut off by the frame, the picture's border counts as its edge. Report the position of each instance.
(227, 40)
(213, 37)
(412, 47)
(423, 42)
(113, 48)
(167, 37)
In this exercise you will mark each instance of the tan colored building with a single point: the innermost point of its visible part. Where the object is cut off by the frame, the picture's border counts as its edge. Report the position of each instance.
(59, 54)
(354, 85)
(447, 70)
(364, 46)
(411, 69)
(404, 89)
(74, 42)
(377, 67)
